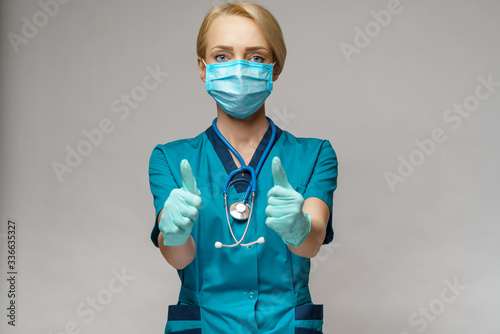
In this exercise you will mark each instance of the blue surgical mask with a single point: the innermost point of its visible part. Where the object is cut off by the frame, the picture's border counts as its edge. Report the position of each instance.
(239, 87)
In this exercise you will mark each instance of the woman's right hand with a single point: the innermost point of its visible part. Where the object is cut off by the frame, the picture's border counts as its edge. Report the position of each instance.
(181, 209)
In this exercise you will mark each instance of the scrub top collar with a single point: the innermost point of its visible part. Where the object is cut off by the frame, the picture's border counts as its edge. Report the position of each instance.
(227, 160)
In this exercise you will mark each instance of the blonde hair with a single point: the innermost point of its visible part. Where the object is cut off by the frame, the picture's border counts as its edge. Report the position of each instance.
(264, 19)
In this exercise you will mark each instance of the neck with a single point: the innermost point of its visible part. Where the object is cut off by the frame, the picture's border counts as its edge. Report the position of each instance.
(242, 132)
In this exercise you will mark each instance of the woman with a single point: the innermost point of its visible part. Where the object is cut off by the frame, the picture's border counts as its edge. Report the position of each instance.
(251, 275)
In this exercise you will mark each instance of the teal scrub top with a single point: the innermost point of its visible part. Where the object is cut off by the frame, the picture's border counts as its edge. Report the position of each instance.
(262, 288)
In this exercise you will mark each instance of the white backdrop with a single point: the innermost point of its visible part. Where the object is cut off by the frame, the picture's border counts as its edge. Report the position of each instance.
(407, 92)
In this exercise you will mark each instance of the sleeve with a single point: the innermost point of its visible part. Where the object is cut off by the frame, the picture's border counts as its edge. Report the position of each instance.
(161, 182)
(323, 182)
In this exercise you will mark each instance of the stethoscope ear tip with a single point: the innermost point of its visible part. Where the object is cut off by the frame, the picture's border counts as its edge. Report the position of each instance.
(218, 244)
(261, 240)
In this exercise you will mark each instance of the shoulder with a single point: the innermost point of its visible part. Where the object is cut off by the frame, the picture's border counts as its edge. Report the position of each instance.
(306, 144)
(181, 146)
(172, 153)
(303, 141)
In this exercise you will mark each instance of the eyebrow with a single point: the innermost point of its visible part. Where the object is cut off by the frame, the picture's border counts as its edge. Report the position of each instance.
(230, 48)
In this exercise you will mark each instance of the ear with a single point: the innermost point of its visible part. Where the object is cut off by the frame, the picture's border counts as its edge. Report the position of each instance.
(276, 73)
(202, 69)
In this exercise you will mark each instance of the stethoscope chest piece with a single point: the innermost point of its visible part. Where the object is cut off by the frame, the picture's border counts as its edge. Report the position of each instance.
(239, 211)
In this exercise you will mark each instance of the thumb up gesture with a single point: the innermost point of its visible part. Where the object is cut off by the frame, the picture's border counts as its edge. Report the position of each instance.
(181, 209)
(284, 209)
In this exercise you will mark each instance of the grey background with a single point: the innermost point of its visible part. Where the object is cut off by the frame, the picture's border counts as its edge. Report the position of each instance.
(393, 251)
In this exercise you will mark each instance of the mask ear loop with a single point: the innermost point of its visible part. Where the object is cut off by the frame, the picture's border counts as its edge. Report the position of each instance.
(272, 72)
(207, 73)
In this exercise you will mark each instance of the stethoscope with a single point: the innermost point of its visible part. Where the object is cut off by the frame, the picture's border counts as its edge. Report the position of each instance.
(241, 210)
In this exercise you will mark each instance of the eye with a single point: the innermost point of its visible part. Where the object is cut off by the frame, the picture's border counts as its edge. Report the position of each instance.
(257, 59)
(220, 58)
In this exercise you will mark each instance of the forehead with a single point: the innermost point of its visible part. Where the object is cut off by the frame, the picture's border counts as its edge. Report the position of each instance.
(236, 31)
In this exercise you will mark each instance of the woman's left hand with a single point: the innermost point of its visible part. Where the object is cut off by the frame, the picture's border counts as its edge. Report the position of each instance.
(284, 209)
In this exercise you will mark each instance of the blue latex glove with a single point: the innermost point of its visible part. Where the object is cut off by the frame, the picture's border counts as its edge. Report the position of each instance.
(284, 209)
(180, 209)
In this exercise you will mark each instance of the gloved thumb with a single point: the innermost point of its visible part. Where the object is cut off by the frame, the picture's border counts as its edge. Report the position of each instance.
(188, 180)
(279, 174)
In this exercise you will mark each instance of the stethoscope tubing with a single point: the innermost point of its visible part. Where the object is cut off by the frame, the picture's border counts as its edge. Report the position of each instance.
(251, 187)
(253, 182)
